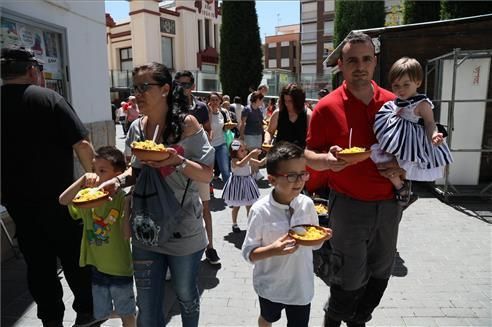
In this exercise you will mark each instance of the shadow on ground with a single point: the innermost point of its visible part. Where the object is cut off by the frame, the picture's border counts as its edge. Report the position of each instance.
(217, 204)
(16, 298)
(218, 184)
(263, 183)
(470, 200)
(207, 279)
(15, 295)
(236, 238)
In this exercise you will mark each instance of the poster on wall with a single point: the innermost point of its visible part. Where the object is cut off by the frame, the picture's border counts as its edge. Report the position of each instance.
(44, 44)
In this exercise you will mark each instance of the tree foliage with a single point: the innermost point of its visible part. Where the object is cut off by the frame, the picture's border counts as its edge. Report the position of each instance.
(356, 15)
(420, 11)
(457, 9)
(240, 48)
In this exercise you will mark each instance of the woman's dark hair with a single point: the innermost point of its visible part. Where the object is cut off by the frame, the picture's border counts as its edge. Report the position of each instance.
(218, 96)
(113, 155)
(256, 95)
(298, 97)
(177, 101)
(282, 151)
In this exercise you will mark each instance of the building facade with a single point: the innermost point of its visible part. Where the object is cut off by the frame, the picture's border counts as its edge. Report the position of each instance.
(317, 31)
(180, 34)
(281, 51)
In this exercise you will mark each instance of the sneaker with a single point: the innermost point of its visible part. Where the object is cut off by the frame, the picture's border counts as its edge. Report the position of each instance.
(212, 256)
(168, 274)
(259, 176)
(236, 229)
(87, 320)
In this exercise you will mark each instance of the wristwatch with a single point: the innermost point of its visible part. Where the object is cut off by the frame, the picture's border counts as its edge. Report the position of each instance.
(181, 166)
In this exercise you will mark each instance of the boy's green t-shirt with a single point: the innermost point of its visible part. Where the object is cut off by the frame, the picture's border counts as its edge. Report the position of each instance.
(103, 244)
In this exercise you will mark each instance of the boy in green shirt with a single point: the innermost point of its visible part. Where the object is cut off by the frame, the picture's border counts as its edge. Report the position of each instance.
(105, 240)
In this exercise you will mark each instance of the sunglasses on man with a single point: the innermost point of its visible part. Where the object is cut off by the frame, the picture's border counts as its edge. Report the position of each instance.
(142, 88)
(186, 85)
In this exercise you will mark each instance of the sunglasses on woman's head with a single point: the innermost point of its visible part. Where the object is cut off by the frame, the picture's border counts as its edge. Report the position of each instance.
(142, 88)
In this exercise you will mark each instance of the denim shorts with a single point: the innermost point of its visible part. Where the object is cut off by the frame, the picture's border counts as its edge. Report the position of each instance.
(297, 315)
(108, 290)
(253, 141)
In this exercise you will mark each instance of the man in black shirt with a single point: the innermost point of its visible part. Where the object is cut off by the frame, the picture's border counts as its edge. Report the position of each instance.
(200, 111)
(39, 131)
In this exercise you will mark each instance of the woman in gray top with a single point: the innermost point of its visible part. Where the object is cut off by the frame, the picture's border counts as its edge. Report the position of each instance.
(191, 160)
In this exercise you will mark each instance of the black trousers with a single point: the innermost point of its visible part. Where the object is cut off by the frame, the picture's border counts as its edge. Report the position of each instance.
(45, 233)
(363, 249)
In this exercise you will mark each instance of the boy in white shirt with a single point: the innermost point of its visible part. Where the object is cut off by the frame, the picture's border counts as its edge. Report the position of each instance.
(283, 274)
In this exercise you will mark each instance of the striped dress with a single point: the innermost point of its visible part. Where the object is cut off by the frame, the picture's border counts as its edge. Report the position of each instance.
(398, 132)
(241, 189)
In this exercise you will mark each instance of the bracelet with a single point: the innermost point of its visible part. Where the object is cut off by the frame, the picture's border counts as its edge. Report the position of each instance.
(182, 165)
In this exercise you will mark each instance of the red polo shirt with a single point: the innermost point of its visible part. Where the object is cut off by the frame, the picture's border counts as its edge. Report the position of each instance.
(330, 124)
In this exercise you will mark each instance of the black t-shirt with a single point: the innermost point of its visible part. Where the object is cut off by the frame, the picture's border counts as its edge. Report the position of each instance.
(38, 129)
(293, 132)
(200, 111)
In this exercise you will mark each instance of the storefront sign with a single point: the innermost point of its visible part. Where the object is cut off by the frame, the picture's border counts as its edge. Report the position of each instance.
(45, 45)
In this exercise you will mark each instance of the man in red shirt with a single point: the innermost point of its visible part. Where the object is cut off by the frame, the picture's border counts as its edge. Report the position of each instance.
(364, 215)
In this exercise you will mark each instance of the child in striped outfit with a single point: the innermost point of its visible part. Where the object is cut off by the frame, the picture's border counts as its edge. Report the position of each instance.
(405, 128)
(241, 189)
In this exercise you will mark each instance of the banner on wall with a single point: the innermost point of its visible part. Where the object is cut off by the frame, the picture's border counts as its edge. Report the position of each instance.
(45, 45)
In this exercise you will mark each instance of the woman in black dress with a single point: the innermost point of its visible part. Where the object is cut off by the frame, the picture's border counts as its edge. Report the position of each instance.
(290, 122)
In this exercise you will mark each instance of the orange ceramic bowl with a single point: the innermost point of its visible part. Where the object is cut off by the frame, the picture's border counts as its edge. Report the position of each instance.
(355, 156)
(230, 125)
(94, 203)
(150, 155)
(315, 235)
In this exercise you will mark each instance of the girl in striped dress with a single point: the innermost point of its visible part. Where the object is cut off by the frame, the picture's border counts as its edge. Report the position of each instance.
(405, 128)
(241, 189)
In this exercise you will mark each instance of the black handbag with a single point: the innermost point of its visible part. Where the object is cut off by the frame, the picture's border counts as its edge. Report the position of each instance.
(440, 128)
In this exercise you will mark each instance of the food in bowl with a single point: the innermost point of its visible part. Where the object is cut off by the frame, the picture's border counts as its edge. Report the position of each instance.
(148, 145)
(354, 154)
(353, 149)
(230, 124)
(309, 235)
(321, 209)
(89, 194)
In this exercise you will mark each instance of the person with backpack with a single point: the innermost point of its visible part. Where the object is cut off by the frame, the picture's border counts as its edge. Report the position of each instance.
(166, 219)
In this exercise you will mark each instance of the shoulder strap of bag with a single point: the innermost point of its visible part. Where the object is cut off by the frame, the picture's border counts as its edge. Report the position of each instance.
(186, 190)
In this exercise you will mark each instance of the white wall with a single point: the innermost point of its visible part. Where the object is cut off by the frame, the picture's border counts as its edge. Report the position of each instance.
(86, 42)
(472, 80)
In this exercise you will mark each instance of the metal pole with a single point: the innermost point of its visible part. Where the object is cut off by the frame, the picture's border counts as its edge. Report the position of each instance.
(451, 115)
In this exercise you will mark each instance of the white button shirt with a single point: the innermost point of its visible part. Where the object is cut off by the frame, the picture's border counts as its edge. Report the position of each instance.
(287, 279)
